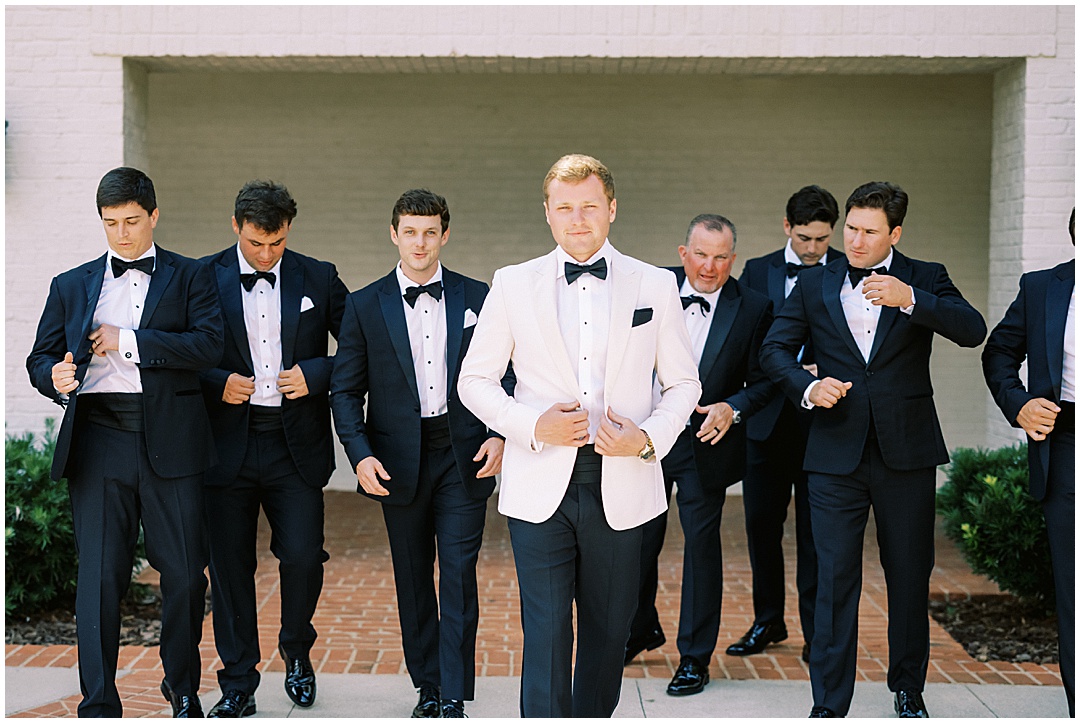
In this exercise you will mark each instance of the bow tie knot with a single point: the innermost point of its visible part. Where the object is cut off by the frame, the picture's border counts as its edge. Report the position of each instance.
(695, 299)
(597, 268)
(433, 289)
(856, 274)
(793, 270)
(120, 266)
(248, 280)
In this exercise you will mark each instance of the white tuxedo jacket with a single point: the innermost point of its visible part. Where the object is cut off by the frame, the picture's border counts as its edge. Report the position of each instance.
(519, 323)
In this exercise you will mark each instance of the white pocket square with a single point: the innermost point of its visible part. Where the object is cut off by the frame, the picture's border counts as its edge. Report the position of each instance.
(470, 318)
(305, 304)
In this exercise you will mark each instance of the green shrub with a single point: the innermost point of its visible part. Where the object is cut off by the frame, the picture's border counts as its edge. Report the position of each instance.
(1000, 529)
(40, 566)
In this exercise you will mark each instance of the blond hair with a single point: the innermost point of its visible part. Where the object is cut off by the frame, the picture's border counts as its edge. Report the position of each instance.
(577, 167)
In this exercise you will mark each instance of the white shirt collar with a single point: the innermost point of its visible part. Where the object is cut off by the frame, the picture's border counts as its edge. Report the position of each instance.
(792, 258)
(688, 289)
(562, 258)
(149, 253)
(405, 282)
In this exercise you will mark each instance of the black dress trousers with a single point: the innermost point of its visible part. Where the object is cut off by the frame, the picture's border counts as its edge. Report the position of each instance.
(1059, 509)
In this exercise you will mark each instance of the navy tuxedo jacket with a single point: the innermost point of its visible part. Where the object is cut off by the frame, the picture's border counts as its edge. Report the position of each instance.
(306, 420)
(893, 388)
(374, 358)
(1033, 328)
(180, 332)
(766, 275)
(729, 371)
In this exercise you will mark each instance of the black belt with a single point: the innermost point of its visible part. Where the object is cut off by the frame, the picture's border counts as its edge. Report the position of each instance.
(587, 466)
(116, 410)
(435, 431)
(264, 419)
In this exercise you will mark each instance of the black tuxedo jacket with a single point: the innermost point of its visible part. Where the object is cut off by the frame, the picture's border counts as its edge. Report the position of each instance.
(893, 388)
(374, 358)
(1033, 328)
(180, 333)
(306, 420)
(730, 372)
(766, 275)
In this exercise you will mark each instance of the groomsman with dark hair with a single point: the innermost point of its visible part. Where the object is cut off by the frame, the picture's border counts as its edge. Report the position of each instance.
(271, 417)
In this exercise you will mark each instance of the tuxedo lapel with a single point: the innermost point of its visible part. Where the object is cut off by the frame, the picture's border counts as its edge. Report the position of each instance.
(777, 276)
(1057, 311)
(724, 313)
(232, 305)
(454, 295)
(832, 282)
(547, 322)
(95, 275)
(291, 278)
(624, 293)
(159, 281)
(394, 316)
(901, 269)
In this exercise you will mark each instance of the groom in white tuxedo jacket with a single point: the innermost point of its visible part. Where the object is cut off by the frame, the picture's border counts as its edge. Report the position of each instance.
(587, 330)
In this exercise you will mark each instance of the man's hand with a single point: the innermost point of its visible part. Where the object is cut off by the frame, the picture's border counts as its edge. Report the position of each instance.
(564, 424)
(63, 375)
(882, 290)
(718, 418)
(492, 448)
(238, 389)
(828, 392)
(619, 436)
(1037, 417)
(292, 383)
(106, 338)
(368, 473)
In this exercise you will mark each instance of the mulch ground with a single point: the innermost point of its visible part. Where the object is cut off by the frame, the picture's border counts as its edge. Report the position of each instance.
(999, 627)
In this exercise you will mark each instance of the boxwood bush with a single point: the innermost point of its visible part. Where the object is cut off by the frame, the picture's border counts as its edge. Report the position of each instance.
(999, 527)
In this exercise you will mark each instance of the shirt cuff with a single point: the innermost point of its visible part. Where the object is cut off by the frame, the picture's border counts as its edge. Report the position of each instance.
(908, 309)
(806, 403)
(129, 348)
(535, 446)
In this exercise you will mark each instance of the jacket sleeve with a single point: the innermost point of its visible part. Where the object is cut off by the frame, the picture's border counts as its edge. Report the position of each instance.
(1003, 355)
(349, 386)
(944, 309)
(202, 343)
(50, 345)
(318, 370)
(758, 391)
(780, 350)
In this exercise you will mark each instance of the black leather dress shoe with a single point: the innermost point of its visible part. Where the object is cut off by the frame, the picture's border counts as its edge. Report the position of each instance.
(428, 705)
(806, 653)
(183, 706)
(453, 709)
(757, 637)
(233, 704)
(690, 678)
(820, 711)
(637, 646)
(299, 679)
(909, 704)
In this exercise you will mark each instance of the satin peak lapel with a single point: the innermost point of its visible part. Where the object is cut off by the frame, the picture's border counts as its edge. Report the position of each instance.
(159, 281)
(901, 269)
(398, 328)
(1057, 312)
(832, 282)
(92, 282)
(547, 322)
(624, 293)
(232, 306)
(727, 308)
(777, 276)
(454, 295)
(292, 290)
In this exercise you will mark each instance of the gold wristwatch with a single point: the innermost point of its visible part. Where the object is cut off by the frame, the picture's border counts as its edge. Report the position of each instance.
(648, 451)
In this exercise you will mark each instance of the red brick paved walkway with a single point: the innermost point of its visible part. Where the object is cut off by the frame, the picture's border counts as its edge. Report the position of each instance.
(358, 627)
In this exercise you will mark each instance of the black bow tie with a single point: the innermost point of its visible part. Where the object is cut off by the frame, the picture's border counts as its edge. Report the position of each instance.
(248, 280)
(856, 274)
(120, 267)
(597, 269)
(695, 299)
(413, 292)
(794, 269)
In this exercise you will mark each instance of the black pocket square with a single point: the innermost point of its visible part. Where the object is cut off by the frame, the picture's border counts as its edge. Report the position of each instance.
(641, 316)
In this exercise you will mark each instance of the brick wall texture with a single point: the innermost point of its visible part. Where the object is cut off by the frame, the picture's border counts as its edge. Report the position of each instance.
(723, 109)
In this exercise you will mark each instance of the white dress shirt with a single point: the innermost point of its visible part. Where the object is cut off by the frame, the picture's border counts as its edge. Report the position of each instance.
(262, 320)
(862, 318)
(697, 319)
(584, 311)
(427, 340)
(792, 258)
(120, 304)
(1068, 364)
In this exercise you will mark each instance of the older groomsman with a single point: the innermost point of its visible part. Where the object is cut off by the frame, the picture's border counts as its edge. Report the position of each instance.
(875, 440)
(417, 449)
(727, 323)
(119, 346)
(268, 405)
(586, 328)
(1040, 326)
(776, 439)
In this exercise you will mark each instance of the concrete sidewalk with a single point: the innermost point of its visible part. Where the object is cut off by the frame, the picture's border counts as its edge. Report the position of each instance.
(392, 696)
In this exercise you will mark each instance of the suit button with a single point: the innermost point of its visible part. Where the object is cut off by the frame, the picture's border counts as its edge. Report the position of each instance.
(869, 373)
